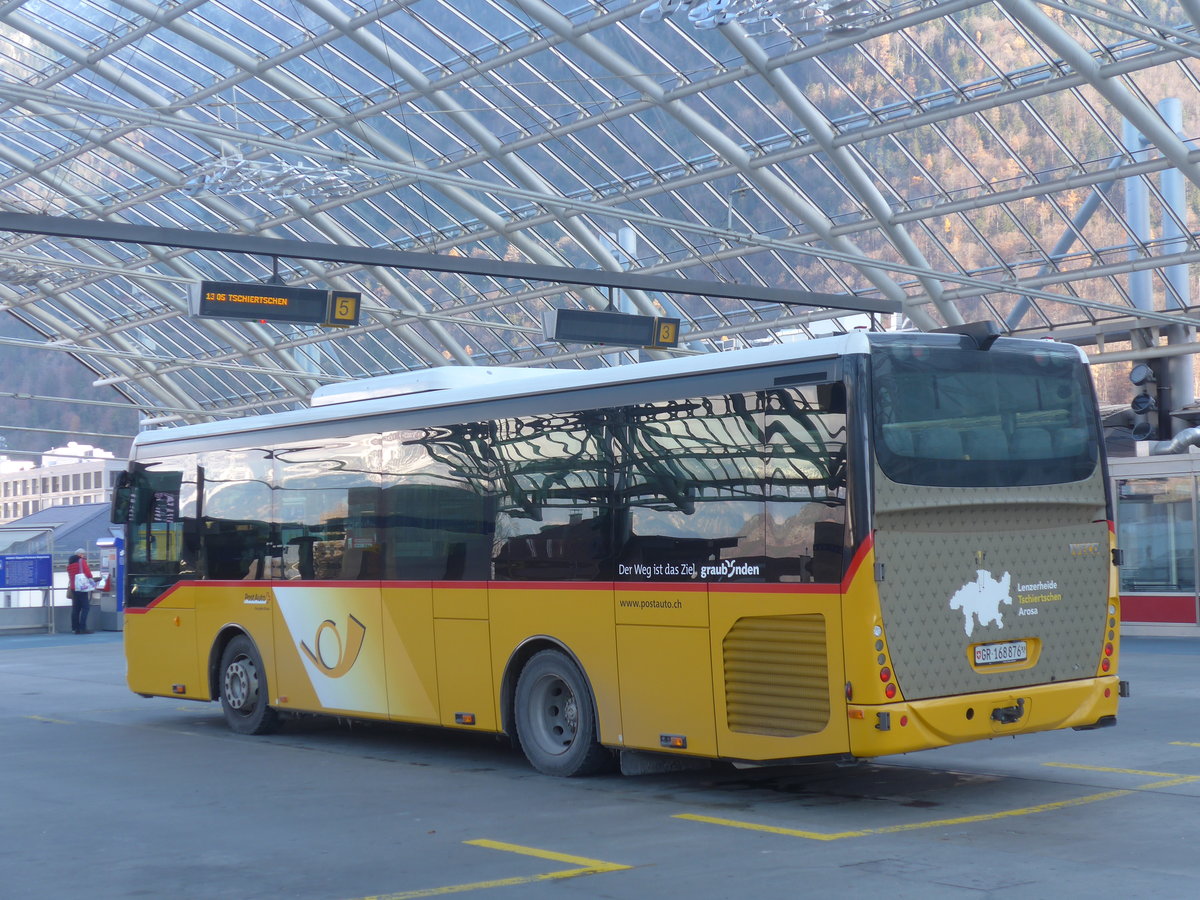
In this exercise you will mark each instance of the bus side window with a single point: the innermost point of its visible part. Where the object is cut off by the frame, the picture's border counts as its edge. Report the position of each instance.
(805, 450)
(237, 513)
(553, 516)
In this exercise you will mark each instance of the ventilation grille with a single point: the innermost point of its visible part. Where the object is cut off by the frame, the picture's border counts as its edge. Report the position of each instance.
(776, 679)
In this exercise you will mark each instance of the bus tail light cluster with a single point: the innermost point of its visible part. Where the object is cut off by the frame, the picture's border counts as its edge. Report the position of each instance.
(1110, 646)
(886, 676)
(891, 690)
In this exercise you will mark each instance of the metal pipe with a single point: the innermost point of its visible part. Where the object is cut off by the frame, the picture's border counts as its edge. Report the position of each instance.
(1179, 371)
(1156, 352)
(1189, 437)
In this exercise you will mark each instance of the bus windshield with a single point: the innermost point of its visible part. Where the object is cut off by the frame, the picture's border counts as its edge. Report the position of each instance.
(951, 416)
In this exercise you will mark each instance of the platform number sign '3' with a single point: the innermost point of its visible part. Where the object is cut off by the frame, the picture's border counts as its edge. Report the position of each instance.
(332, 656)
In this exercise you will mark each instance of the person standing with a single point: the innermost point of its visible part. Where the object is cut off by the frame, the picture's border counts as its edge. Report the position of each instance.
(81, 601)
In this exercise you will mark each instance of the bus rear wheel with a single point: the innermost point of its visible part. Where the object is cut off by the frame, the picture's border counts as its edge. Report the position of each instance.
(244, 689)
(556, 722)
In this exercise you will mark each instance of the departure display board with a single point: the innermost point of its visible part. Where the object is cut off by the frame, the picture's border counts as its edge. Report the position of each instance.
(597, 327)
(26, 571)
(275, 303)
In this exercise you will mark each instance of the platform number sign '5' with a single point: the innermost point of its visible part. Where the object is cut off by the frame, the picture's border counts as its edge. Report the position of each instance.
(343, 308)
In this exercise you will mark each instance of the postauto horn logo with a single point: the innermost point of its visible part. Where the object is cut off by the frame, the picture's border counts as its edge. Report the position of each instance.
(333, 656)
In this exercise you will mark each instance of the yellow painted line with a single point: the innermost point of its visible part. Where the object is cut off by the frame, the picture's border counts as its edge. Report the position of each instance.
(45, 719)
(585, 867)
(1184, 744)
(1140, 772)
(598, 865)
(913, 826)
(1167, 779)
(1170, 782)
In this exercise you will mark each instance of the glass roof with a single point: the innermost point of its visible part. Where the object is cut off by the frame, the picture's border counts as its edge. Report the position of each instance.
(1028, 162)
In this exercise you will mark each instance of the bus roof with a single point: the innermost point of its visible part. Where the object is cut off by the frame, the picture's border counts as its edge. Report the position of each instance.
(456, 385)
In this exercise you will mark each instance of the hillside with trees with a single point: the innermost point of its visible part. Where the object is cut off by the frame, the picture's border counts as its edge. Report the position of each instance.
(54, 423)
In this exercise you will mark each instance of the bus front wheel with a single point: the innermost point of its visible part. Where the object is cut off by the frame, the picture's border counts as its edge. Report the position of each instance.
(556, 722)
(244, 689)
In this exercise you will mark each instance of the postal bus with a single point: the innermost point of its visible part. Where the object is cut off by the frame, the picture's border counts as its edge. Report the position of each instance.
(860, 545)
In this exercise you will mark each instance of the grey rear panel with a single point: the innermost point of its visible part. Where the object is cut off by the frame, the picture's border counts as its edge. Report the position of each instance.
(963, 566)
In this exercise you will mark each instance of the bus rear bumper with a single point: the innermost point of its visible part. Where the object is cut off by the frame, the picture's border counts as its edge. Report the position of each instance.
(924, 724)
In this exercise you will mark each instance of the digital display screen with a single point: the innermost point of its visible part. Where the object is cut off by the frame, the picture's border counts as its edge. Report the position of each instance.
(275, 303)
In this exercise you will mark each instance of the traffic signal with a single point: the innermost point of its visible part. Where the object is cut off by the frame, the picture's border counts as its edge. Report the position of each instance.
(1144, 405)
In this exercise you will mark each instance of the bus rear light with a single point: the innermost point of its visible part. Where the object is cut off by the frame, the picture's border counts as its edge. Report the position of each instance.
(1105, 664)
(673, 741)
(890, 690)
(857, 714)
(179, 689)
(849, 691)
(464, 718)
(1108, 649)
(885, 674)
(903, 721)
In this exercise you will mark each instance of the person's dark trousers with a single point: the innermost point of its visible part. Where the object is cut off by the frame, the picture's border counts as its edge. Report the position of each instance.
(80, 604)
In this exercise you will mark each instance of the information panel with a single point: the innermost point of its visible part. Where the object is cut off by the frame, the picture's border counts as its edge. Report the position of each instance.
(26, 571)
(597, 327)
(275, 303)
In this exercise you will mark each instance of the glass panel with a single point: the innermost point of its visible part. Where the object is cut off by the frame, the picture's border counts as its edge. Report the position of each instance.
(237, 513)
(164, 533)
(555, 481)
(806, 483)
(327, 505)
(437, 512)
(954, 417)
(1156, 533)
(695, 478)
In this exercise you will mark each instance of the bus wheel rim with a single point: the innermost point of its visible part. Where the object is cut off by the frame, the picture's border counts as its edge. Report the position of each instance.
(555, 714)
(241, 684)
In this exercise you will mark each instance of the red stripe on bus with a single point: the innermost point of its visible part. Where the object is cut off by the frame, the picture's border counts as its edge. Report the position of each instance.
(697, 586)
(859, 555)
(552, 585)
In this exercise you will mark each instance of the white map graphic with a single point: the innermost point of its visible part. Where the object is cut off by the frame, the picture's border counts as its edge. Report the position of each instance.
(980, 600)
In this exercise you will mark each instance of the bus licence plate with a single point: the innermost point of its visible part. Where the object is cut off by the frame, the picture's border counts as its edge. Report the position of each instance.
(1011, 651)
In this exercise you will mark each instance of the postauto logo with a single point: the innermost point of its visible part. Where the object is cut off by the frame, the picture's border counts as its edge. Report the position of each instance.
(333, 656)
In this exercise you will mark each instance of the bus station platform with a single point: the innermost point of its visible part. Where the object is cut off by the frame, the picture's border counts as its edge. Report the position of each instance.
(110, 795)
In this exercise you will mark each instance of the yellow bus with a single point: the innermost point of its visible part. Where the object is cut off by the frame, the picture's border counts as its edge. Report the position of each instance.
(855, 546)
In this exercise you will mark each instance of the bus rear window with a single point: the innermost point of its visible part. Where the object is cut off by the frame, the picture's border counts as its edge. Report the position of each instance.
(948, 416)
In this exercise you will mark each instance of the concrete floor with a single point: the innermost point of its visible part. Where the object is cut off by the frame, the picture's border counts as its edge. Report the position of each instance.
(108, 795)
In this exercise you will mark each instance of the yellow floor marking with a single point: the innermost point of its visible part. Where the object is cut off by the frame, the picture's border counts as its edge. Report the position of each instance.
(1170, 779)
(1184, 744)
(1142, 772)
(45, 719)
(1167, 779)
(586, 867)
(913, 826)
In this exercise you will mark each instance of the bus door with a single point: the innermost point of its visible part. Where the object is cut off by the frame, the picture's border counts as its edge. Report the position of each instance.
(775, 601)
(323, 569)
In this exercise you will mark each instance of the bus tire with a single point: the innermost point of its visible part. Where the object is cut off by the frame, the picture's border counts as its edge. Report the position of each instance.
(555, 718)
(244, 689)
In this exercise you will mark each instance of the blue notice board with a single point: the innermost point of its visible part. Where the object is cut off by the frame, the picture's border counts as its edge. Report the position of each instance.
(28, 571)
